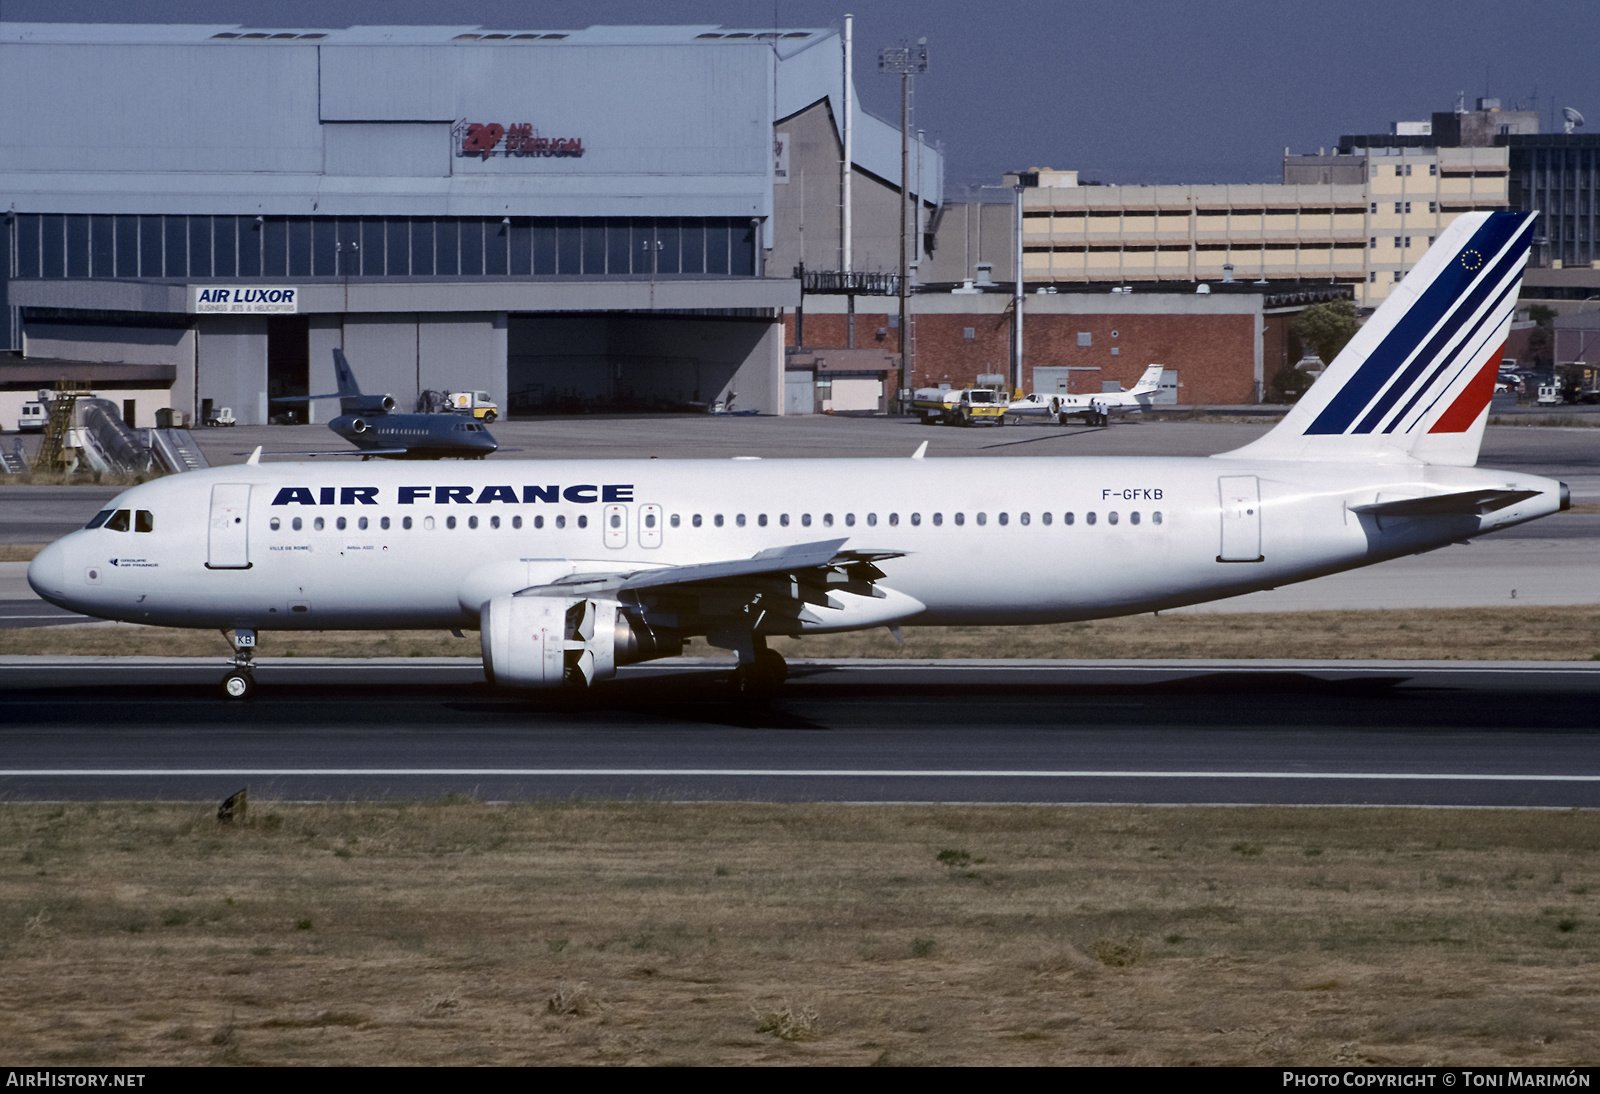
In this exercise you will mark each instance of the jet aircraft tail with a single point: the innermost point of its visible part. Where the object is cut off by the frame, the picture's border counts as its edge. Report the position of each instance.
(350, 400)
(1150, 381)
(1415, 382)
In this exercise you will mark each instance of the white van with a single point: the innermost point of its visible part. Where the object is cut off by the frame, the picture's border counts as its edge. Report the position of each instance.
(33, 418)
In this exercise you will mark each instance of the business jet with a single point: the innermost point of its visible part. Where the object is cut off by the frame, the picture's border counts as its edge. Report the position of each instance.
(370, 423)
(1093, 409)
(570, 568)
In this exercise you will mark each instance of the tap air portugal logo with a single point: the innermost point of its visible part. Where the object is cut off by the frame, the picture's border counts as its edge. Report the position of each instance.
(581, 494)
(518, 140)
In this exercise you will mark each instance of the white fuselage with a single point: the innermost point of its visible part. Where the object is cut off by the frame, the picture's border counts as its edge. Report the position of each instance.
(982, 541)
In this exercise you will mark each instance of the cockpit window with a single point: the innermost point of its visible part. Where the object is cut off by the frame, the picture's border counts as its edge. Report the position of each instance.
(119, 521)
(144, 521)
(99, 518)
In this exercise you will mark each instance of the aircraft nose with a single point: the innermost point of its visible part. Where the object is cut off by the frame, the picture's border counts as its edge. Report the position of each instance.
(47, 573)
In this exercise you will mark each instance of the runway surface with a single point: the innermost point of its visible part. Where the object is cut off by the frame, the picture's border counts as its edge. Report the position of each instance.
(1303, 733)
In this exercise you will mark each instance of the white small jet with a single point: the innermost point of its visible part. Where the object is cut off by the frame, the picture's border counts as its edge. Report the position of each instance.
(1093, 409)
(570, 568)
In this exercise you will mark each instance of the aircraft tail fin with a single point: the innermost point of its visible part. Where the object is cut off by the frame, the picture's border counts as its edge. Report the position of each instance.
(1150, 381)
(1415, 382)
(348, 388)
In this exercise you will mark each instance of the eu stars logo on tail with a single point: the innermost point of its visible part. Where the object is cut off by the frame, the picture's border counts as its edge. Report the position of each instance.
(1416, 380)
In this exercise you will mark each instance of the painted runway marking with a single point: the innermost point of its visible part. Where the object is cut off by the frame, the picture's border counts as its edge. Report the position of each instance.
(787, 773)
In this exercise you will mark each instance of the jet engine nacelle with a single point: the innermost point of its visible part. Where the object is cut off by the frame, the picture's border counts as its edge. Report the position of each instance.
(368, 404)
(547, 641)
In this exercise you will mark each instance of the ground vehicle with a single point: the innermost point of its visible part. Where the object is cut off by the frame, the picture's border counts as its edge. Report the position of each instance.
(476, 403)
(33, 417)
(222, 417)
(959, 406)
(1549, 395)
(1578, 381)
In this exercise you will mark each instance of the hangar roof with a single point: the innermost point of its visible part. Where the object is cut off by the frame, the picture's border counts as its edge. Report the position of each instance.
(232, 119)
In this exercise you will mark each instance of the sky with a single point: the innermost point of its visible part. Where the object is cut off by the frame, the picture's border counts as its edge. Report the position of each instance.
(1136, 91)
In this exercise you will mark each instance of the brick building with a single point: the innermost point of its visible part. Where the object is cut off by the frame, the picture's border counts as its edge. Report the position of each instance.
(1219, 348)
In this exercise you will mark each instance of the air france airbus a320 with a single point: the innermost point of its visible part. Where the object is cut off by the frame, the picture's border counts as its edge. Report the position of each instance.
(571, 568)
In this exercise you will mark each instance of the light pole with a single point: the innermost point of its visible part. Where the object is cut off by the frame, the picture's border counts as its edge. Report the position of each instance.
(1016, 302)
(905, 60)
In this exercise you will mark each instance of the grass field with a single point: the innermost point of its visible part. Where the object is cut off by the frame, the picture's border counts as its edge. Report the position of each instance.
(465, 933)
(1468, 634)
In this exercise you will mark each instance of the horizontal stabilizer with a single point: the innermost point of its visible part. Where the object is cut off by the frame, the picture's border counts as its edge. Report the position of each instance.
(1465, 503)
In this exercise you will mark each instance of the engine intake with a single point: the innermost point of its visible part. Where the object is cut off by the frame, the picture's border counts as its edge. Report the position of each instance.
(544, 642)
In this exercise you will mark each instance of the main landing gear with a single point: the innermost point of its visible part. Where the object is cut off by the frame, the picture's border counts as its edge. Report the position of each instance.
(240, 682)
(761, 677)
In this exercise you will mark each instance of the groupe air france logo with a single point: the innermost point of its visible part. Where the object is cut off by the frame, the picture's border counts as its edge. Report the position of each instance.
(1472, 260)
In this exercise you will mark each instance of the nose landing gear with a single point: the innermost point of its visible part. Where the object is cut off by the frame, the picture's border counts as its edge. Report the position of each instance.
(240, 682)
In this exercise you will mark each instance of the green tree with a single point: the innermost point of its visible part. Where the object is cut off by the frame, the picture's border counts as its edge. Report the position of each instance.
(1327, 327)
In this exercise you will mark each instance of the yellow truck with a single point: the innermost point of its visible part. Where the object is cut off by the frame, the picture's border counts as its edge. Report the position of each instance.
(961, 406)
(476, 403)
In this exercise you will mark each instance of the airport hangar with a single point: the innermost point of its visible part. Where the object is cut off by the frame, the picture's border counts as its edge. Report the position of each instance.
(195, 216)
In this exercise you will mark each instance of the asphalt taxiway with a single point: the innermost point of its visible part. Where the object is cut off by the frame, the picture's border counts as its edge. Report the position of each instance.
(1296, 733)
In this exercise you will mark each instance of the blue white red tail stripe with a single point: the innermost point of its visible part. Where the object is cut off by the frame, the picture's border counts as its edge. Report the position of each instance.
(1416, 380)
(1449, 309)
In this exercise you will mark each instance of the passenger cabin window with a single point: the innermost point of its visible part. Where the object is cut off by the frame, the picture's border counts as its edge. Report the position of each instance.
(583, 521)
(299, 524)
(274, 524)
(405, 522)
(516, 522)
(675, 520)
(317, 524)
(696, 521)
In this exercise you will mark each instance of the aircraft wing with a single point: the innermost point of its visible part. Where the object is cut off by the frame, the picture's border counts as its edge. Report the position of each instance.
(769, 592)
(820, 556)
(1463, 503)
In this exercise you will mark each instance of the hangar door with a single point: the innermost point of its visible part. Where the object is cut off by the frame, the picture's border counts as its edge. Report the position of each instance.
(855, 393)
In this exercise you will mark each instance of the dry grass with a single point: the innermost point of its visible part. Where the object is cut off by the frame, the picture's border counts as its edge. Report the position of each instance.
(1465, 634)
(1553, 420)
(90, 478)
(19, 552)
(655, 933)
